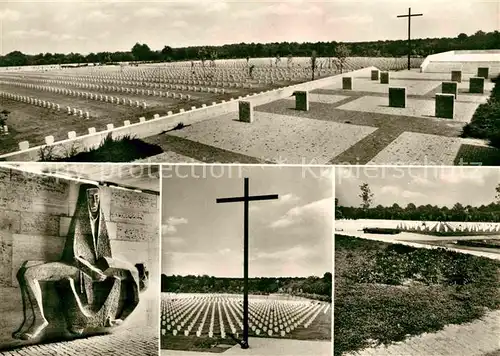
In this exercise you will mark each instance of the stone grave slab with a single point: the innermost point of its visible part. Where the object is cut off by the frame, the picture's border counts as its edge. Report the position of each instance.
(424, 108)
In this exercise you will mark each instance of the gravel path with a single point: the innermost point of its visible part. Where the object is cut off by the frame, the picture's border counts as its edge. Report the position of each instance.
(414, 87)
(170, 156)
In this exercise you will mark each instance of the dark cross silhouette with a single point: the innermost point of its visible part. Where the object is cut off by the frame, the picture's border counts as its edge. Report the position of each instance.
(246, 198)
(410, 15)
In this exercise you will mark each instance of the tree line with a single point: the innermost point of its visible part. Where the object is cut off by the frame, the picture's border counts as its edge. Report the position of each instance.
(142, 52)
(459, 212)
(318, 286)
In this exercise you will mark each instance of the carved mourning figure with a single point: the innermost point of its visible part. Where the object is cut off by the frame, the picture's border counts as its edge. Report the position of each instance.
(97, 292)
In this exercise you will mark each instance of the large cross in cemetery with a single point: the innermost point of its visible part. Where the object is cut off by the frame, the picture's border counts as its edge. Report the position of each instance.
(410, 15)
(246, 198)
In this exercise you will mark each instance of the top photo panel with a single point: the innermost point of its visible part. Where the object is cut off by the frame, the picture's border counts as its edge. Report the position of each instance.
(251, 82)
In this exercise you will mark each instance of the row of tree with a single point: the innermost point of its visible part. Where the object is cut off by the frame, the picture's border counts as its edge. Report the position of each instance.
(142, 52)
(209, 284)
(459, 212)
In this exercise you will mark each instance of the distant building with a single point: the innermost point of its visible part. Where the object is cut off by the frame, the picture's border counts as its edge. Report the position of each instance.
(464, 60)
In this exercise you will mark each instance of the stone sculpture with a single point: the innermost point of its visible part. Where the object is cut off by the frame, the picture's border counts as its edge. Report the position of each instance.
(96, 291)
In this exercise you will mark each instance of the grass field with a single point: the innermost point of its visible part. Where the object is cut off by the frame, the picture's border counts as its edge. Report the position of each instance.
(385, 292)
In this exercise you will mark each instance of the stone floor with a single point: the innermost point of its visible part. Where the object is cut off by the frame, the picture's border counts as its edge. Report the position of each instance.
(130, 342)
(342, 127)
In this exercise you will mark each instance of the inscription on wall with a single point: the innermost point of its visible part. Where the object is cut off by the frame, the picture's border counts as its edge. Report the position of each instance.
(122, 199)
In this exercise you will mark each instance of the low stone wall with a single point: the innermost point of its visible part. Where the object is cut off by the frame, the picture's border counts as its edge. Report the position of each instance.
(158, 125)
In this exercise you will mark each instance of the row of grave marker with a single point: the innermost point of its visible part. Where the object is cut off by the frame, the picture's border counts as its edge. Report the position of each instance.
(304, 315)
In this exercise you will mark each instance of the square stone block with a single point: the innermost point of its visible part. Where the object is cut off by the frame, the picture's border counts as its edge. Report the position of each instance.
(245, 111)
(476, 85)
(384, 77)
(24, 145)
(445, 105)
(456, 76)
(347, 83)
(92, 130)
(49, 140)
(397, 97)
(449, 88)
(483, 72)
(301, 100)
(375, 74)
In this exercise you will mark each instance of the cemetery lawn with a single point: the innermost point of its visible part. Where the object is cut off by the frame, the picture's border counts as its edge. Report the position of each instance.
(386, 292)
(486, 120)
(193, 343)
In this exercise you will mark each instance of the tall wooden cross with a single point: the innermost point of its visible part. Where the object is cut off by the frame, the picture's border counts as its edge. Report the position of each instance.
(410, 15)
(246, 198)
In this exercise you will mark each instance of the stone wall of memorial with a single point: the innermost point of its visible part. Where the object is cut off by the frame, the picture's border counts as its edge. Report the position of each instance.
(35, 214)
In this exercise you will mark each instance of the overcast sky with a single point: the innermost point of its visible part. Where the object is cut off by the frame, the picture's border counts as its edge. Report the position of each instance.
(65, 26)
(291, 236)
(442, 186)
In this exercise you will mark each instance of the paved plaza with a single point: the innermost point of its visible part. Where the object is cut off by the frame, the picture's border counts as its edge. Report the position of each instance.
(341, 127)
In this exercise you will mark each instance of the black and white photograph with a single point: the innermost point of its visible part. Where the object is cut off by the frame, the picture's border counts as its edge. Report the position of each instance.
(246, 260)
(417, 261)
(217, 81)
(260, 178)
(80, 262)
